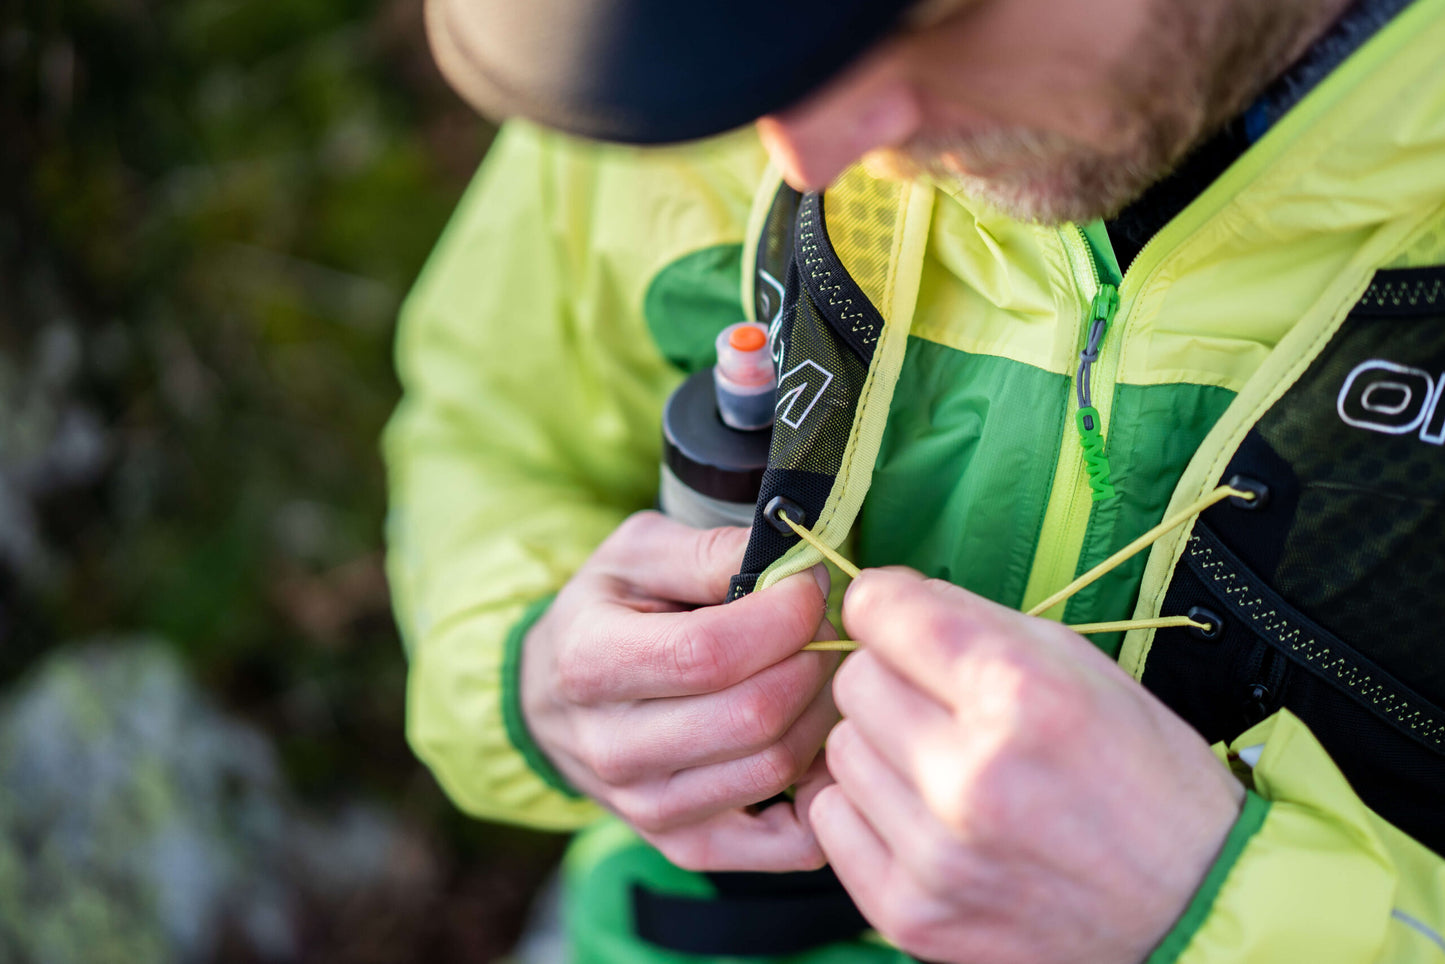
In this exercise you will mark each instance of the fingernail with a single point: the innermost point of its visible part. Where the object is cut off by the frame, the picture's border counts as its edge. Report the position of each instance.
(823, 578)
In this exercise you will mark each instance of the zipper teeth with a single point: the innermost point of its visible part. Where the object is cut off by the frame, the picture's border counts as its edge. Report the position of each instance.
(1101, 387)
(1104, 377)
(1089, 259)
(1057, 570)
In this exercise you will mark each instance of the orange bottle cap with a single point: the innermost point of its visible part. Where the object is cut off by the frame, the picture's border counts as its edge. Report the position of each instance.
(747, 338)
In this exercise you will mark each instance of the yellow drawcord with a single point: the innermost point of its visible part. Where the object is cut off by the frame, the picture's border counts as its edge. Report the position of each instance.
(1088, 578)
(832, 646)
(1124, 625)
(828, 552)
(1139, 545)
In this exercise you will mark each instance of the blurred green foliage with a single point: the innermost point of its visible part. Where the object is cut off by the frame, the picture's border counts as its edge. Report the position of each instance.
(223, 203)
(209, 213)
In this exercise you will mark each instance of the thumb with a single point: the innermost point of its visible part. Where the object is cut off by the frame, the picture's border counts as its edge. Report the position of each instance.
(894, 609)
(668, 560)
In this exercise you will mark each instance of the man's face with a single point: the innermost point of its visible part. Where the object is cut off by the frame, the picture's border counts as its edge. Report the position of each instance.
(1053, 110)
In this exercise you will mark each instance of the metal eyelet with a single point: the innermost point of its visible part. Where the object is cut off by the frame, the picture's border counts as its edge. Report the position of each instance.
(1257, 698)
(1201, 615)
(1258, 489)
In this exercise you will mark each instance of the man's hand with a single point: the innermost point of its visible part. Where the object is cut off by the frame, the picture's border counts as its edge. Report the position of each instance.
(1005, 793)
(678, 719)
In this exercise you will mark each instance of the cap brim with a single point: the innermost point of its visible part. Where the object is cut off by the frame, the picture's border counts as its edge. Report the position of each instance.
(648, 71)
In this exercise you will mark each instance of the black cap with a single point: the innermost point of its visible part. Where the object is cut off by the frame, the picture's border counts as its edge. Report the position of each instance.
(704, 453)
(648, 71)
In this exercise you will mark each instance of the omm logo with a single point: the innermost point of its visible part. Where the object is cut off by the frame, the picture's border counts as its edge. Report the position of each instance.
(1381, 396)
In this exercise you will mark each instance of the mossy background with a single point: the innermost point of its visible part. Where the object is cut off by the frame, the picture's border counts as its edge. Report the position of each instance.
(210, 211)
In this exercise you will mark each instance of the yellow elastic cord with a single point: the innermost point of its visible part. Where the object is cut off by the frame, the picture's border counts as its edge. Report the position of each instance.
(1083, 629)
(1087, 579)
(1124, 625)
(1139, 545)
(831, 646)
(832, 555)
(828, 552)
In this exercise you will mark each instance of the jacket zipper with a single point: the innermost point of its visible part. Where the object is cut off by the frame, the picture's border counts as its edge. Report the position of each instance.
(1087, 418)
(1082, 474)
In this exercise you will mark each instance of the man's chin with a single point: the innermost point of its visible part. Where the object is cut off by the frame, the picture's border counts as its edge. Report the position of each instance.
(1032, 176)
(1054, 192)
(1044, 199)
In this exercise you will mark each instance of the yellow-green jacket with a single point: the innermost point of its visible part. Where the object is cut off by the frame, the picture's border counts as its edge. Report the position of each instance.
(1288, 325)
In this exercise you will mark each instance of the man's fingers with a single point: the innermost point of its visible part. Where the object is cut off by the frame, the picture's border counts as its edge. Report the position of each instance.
(922, 627)
(693, 731)
(664, 559)
(771, 841)
(883, 797)
(809, 785)
(706, 650)
(858, 855)
(908, 904)
(700, 792)
(761, 775)
(902, 723)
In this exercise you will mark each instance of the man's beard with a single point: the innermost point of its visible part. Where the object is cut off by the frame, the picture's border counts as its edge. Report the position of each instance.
(1032, 175)
(1200, 66)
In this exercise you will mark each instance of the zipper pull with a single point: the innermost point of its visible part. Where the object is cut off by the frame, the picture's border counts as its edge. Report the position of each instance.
(1087, 419)
(1105, 304)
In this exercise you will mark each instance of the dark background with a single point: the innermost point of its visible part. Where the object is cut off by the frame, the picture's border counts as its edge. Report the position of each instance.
(210, 211)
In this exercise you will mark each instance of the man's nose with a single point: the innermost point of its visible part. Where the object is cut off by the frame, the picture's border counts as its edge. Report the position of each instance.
(813, 141)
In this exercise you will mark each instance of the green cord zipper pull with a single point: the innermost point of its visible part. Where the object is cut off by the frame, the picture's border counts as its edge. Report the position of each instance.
(1087, 419)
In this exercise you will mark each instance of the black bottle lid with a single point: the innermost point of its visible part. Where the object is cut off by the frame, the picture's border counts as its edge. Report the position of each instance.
(705, 454)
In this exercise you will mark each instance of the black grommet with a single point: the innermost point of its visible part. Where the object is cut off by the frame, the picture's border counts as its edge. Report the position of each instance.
(782, 505)
(1258, 489)
(1201, 615)
(1256, 702)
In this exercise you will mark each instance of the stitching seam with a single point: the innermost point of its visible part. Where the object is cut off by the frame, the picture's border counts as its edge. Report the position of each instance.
(1388, 294)
(1381, 695)
(816, 264)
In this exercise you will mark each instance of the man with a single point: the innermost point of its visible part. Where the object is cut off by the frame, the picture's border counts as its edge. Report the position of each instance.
(1060, 270)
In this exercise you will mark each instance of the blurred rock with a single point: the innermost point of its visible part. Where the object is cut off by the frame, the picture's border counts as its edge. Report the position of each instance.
(139, 822)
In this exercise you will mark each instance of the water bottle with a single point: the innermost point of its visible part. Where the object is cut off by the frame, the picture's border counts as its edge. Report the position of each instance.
(716, 428)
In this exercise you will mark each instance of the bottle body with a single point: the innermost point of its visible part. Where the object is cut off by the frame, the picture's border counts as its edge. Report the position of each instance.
(682, 502)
